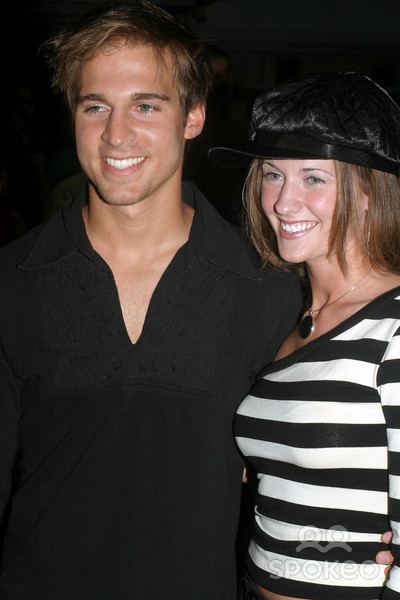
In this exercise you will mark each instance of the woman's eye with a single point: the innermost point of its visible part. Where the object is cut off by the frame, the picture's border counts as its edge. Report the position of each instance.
(272, 176)
(313, 180)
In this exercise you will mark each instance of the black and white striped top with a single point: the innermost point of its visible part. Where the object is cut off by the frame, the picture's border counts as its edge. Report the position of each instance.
(322, 429)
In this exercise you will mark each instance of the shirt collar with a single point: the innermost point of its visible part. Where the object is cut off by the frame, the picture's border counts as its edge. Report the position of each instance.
(62, 236)
(215, 239)
(211, 237)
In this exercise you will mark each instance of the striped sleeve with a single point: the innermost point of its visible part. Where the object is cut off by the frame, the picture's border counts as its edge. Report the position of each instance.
(389, 389)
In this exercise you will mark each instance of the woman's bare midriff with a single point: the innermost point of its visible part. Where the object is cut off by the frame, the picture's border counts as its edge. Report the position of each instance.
(272, 596)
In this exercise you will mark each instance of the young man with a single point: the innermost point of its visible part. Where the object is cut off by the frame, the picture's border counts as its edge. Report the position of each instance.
(131, 326)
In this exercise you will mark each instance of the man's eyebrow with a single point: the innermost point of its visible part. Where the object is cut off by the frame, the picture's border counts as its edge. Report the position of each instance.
(139, 96)
(149, 96)
(90, 97)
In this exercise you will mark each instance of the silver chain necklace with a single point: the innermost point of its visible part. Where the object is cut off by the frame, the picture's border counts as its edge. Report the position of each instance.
(306, 325)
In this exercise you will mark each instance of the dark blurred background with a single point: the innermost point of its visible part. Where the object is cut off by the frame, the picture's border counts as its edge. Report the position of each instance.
(268, 40)
(252, 44)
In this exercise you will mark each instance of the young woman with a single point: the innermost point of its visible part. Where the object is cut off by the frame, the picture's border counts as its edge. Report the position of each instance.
(322, 425)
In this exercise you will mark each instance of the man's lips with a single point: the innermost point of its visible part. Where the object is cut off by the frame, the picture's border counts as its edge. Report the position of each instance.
(124, 163)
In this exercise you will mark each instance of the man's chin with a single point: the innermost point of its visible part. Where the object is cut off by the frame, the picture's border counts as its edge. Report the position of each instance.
(119, 198)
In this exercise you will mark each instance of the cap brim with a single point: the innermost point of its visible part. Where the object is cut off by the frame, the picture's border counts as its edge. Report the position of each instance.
(241, 157)
(297, 147)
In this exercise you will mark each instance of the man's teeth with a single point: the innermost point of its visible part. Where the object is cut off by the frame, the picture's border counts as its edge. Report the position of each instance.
(296, 227)
(124, 163)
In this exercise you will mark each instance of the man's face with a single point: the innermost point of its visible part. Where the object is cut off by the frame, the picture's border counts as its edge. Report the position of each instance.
(129, 126)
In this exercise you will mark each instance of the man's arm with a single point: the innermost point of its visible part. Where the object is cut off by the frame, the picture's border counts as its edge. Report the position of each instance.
(10, 387)
(385, 557)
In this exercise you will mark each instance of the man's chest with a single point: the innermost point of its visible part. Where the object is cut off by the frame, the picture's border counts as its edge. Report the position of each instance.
(193, 332)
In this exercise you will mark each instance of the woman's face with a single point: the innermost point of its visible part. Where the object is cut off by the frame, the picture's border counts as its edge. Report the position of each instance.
(299, 199)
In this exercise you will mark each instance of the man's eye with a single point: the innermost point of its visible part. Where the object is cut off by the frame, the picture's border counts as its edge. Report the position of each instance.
(95, 109)
(146, 108)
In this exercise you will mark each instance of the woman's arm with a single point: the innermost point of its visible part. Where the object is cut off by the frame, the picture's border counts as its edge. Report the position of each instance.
(389, 389)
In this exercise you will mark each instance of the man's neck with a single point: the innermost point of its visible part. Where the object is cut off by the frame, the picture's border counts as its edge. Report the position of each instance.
(139, 230)
(138, 243)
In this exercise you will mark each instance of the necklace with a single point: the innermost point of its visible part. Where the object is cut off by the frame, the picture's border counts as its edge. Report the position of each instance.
(306, 325)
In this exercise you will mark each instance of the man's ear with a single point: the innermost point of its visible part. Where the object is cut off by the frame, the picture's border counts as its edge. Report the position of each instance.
(195, 121)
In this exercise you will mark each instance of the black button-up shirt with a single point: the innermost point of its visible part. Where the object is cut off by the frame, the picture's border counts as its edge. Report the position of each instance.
(119, 477)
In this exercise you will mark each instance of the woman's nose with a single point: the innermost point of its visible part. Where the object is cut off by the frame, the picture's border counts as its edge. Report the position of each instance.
(289, 199)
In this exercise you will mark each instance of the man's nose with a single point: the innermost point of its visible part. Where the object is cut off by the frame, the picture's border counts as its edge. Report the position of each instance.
(118, 130)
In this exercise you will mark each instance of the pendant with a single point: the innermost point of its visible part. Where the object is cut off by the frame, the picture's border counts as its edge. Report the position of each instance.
(306, 326)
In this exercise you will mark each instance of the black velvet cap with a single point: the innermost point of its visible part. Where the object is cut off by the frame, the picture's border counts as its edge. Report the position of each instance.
(344, 116)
